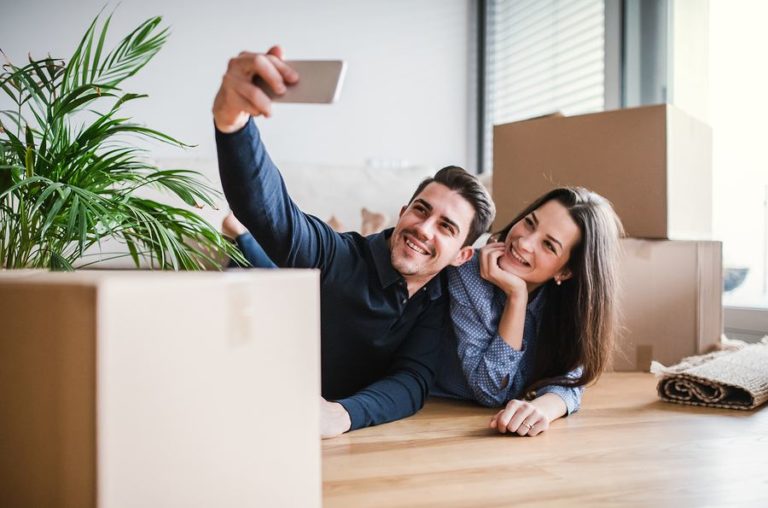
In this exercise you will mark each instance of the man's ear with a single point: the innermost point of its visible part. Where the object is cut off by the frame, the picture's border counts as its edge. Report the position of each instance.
(464, 255)
(402, 210)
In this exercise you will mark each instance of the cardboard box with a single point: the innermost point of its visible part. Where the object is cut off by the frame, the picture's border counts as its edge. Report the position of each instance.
(137, 389)
(671, 301)
(653, 163)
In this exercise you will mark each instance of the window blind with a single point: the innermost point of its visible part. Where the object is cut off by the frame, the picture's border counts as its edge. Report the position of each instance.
(542, 56)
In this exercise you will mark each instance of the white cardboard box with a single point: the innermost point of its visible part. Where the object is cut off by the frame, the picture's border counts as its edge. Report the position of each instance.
(145, 389)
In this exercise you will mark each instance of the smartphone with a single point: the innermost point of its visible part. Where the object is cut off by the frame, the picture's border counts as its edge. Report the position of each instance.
(319, 82)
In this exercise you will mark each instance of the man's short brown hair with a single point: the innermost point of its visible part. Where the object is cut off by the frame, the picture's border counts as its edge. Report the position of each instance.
(470, 188)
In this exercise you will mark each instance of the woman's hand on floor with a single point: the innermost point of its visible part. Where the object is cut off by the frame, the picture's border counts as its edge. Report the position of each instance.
(521, 417)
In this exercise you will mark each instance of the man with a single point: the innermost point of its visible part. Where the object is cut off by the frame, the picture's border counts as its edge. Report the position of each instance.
(382, 304)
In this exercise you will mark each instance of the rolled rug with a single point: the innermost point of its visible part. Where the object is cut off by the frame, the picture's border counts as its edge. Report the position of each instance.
(725, 379)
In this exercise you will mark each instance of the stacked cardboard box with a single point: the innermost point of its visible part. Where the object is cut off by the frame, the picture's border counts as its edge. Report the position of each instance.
(122, 389)
(654, 164)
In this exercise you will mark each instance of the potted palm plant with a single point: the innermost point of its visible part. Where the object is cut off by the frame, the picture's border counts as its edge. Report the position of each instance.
(72, 174)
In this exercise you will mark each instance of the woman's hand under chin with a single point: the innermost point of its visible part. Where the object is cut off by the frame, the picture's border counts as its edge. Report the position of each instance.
(508, 282)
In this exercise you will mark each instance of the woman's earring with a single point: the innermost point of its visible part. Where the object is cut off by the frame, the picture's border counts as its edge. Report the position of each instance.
(558, 282)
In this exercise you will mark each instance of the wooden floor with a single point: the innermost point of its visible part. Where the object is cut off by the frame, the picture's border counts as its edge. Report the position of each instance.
(623, 448)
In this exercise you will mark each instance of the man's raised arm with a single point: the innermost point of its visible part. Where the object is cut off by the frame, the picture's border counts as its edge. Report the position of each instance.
(252, 183)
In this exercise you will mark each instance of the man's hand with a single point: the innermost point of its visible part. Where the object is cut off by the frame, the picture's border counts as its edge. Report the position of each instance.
(334, 419)
(238, 98)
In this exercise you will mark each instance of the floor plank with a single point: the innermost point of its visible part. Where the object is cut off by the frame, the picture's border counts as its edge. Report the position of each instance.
(624, 447)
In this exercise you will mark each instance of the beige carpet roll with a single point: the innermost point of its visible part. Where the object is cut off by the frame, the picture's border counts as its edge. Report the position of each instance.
(726, 379)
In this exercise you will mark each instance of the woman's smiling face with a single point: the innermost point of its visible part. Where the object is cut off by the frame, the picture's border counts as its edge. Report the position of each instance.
(538, 247)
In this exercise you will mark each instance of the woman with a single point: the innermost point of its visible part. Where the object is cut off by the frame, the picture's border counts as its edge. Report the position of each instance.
(534, 313)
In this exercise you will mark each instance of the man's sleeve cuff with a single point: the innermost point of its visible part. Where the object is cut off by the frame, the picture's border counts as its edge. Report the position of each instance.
(228, 135)
(355, 411)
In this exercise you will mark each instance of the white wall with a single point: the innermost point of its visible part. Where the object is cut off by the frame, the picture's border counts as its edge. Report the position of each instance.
(405, 100)
(405, 97)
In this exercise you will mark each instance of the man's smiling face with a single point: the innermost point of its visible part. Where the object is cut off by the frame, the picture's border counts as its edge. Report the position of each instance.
(431, 232)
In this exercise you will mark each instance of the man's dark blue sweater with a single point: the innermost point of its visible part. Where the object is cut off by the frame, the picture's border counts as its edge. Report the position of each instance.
(379, 348)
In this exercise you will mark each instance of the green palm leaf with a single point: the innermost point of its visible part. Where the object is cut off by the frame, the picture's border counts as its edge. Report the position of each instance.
(67, 186)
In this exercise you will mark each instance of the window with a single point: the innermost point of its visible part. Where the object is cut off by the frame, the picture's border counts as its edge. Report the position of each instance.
(738, 81)
(584, 56)
(542, 56)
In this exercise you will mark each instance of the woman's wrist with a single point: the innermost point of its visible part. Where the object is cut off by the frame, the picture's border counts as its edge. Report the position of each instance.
(551, 405)
(517, 295)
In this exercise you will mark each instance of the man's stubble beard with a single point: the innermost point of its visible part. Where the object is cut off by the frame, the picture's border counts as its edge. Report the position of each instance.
(404, 267)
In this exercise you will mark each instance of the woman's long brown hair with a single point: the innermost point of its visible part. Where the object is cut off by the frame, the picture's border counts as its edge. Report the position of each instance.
(579, 319)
